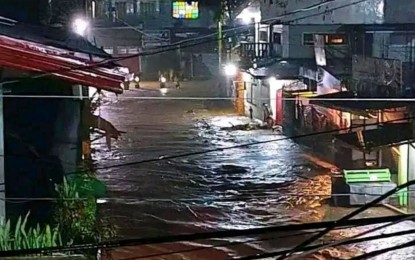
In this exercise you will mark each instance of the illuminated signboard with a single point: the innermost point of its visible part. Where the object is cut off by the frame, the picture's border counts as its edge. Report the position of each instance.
(186, 10)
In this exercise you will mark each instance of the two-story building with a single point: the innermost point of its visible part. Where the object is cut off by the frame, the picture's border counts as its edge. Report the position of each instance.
(127, 27)
(347, 53)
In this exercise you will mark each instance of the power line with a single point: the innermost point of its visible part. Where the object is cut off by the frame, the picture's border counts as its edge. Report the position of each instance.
(383, 250)
(342, 243)
(176, 45)
(206, 199)
(346, 218)
(184, 98)
(161, 158)
(353, 237)
(205, 235)
(215, 246)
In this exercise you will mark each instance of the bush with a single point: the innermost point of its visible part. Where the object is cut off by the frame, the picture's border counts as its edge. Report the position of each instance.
(20, 237)
(76, 216)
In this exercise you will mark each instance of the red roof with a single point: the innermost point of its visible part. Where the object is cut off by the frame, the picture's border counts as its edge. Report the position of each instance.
(34, 57)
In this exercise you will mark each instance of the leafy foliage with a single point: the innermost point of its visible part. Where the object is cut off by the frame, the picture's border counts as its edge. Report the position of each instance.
(22, 237)
(77, 216)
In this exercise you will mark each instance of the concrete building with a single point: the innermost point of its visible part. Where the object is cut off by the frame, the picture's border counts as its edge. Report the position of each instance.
(127, 27)
(42, 129)
(337, 50)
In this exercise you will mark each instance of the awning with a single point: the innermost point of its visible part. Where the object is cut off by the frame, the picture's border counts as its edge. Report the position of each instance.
(349, 102)
(386, 135)
(39, 58)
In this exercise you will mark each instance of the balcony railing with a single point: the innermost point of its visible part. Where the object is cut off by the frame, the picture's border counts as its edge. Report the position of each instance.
(253, 51)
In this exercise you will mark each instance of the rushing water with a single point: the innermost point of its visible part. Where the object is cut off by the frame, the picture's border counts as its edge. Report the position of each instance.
(226, 189)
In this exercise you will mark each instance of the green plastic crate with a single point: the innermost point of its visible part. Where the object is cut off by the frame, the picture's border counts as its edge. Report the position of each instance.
(367, 175)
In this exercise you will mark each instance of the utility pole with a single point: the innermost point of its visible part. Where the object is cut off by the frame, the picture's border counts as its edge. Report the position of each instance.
(220, 41)
(2, 151)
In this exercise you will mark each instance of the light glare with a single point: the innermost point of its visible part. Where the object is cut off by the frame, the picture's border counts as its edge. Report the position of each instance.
(230, 70)
(80, 26)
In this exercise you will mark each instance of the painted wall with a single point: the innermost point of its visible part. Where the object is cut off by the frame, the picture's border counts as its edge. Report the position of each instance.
(292, 41)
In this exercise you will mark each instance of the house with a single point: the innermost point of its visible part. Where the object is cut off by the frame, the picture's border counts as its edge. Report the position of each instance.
(126, 27)
(45, 74)
(360, 51)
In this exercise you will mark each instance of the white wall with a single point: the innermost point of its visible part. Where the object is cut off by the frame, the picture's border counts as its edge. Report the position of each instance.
(335, 12)
(292, 41)
(257, 93)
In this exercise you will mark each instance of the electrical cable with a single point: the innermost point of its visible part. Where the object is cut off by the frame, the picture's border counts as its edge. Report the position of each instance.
(353, 237)
(206, 235)
(178, 44)
(347, 217)
(348, 242)
(161, 158)
(200, 248)
(383, 250)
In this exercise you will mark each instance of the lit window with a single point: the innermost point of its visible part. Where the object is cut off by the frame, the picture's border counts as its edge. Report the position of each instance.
(185, 10)
(336, 39)
(329, 39)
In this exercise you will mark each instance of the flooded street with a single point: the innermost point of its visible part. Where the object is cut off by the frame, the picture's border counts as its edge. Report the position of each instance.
(240, 188)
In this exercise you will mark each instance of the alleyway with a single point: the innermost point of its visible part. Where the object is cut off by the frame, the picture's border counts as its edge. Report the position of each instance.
(231, 189)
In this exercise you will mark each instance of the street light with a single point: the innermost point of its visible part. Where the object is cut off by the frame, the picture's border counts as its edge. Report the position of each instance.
(80, 26)
(247, 16)
(230, 70)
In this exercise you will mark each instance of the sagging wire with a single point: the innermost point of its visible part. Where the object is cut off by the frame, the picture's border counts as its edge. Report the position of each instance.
(383, 250)
(346, 218)
(204, 236)
(353, 237)
(178, 45)
(207, 200)
(167, 157)
(343, 243)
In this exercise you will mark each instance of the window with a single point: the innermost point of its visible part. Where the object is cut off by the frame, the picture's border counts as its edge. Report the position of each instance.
(335, 39)
(329, 39)
(185, 10)
(148, 8)
(277, 38)
(132, 50)
(121, 50)
(308, 39)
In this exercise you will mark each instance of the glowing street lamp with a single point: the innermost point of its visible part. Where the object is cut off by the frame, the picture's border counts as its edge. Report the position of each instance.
(80, 26)
(230, 70)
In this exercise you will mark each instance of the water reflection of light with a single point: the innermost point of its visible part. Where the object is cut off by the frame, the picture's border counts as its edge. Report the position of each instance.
(163, 91)
(101, 201)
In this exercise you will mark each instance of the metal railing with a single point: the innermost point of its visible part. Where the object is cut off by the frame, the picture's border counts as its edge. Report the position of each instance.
(255, 50)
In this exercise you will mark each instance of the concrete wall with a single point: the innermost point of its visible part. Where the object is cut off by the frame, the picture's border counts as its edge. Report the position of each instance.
(257, 93)
(292, 41)
(335, 12)
(341, 12)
